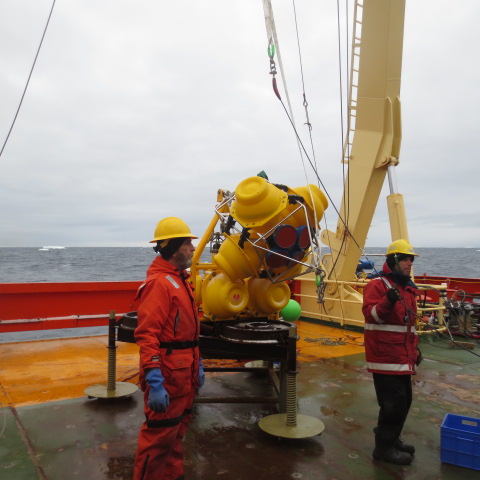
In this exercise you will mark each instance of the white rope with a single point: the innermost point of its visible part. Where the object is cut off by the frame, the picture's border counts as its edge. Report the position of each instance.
(273, 38)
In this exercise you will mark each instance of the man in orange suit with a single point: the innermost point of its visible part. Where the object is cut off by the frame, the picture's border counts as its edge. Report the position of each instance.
(171, 369)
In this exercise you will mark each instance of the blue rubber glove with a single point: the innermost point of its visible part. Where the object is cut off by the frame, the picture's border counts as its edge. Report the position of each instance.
(201, 375)
(158, 399)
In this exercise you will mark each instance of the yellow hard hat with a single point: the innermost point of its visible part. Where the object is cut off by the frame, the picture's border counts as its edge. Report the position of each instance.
(171, 227)
(401, 246)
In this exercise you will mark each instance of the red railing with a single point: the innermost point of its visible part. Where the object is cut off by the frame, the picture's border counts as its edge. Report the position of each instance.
(41, 306)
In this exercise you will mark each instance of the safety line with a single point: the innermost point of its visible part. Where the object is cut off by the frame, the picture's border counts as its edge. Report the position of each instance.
(28, 81)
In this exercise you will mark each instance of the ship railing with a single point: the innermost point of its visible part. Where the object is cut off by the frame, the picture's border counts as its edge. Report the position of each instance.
(432, 313)
(54, 323)
(430, 316)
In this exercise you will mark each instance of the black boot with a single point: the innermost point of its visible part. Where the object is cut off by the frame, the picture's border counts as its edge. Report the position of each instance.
(388, 453)
(404, 447)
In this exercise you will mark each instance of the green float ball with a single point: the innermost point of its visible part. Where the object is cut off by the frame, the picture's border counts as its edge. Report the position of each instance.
(291, 311)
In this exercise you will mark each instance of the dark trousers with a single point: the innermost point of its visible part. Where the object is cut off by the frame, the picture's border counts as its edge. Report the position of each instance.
(394, 396)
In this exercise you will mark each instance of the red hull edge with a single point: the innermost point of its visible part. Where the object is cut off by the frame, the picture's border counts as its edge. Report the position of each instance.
(43, 306)
(458, 288)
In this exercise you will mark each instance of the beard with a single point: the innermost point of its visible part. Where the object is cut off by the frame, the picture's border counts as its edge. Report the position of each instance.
(183, 260)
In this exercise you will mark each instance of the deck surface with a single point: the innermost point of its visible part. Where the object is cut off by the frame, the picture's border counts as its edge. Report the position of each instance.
(49, 429)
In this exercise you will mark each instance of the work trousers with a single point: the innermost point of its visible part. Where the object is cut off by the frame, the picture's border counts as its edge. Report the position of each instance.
(160, 450)
(394, 396)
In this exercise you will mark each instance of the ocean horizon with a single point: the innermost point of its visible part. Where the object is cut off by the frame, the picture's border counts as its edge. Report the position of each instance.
(84, 264)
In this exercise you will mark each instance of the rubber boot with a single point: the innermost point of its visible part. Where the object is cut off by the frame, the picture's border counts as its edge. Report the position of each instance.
(386, 452)
(404, 447)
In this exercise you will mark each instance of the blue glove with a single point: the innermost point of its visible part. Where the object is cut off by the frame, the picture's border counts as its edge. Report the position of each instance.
(158, 399)
(201, 375)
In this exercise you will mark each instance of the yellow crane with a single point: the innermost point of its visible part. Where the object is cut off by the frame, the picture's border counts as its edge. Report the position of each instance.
(248, 273)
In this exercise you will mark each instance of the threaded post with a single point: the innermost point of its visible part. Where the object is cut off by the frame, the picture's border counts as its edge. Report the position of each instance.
(112, 359)
(292, 377)
(291, 399)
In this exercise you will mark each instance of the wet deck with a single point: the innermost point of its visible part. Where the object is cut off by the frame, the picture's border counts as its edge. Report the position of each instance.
(45, 436)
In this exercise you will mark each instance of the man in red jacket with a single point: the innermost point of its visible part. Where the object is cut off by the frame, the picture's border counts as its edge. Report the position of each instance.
(389, 307)
(171, 369)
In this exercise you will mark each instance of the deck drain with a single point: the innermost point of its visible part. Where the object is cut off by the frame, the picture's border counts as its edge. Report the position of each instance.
(348, 419)
(297, 475)
(352, 455)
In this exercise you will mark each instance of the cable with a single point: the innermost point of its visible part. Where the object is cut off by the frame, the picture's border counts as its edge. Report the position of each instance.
(269, 14)
(28, 81)
(436, 329)
(313, 164)
(453, 341)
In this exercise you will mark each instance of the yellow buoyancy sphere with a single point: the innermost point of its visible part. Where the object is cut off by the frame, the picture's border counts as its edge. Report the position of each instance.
(222, 298)
(267, 297)
(257, 201)
(235, 262)
(316, 203)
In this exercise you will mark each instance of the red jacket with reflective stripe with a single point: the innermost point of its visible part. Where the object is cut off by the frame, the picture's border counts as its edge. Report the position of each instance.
(167, 313)
(390, 336)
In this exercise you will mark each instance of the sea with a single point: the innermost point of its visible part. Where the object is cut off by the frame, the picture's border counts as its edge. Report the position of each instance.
(87, 264)
(96, 264)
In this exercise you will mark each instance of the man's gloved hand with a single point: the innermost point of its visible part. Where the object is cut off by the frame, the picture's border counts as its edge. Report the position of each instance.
(201, 375)
(393, 295)
(158, 399)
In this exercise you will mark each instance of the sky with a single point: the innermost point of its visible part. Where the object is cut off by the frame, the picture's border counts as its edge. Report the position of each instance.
(137, 111)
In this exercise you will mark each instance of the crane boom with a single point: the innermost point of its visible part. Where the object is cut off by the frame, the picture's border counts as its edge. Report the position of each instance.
(375, 126)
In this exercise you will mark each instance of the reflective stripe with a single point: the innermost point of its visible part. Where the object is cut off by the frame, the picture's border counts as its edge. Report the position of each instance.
(389, 367)
(172, 281)
(390, 328)
(139, 291)
(375, 315)
(386, 282)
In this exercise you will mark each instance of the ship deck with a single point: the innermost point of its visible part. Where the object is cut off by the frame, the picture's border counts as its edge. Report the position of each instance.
(49, 428)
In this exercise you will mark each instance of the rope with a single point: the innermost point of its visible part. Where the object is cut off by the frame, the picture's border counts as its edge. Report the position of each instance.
(28, 81)
(273, 39)
(315, 252)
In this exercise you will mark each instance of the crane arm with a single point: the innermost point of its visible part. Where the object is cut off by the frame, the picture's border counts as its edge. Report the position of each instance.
(375, 120)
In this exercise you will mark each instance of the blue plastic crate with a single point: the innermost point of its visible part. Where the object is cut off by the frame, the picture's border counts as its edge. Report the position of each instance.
(460, 441)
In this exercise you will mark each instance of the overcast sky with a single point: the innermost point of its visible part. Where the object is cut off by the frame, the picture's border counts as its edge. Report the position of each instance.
(138, 110)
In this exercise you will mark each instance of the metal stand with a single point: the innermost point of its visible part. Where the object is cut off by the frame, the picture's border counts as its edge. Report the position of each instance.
(112, 389)
(288, 423)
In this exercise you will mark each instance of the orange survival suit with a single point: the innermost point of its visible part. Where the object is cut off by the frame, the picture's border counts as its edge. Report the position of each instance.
(167, 334)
